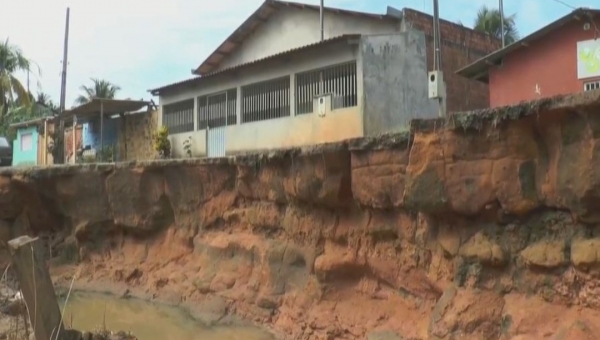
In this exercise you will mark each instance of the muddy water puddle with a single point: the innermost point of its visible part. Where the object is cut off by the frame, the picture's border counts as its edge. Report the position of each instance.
(147, 320)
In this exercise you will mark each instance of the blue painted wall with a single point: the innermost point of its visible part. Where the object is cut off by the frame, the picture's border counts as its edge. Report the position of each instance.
(91, 133)
(26, 158)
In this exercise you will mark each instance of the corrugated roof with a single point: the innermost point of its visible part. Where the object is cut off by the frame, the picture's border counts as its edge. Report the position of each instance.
(195, 80)
(108, 107)
(261, 15)
(31, 122)
(479, 69)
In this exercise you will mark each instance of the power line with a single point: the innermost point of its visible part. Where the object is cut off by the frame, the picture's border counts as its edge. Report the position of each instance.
(565, 4)
(597, 31)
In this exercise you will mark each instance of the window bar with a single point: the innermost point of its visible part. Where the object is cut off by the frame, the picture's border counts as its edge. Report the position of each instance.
(269, 105)
(265, 103)
(274, 97)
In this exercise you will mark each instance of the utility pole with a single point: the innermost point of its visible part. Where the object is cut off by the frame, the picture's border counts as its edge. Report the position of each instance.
(63, 88)
(437, 58)
(437, 89)
(322, 26)
(321, 20)
(502, 22)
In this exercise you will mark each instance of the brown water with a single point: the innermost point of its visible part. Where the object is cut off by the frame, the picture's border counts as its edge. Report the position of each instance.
(146, 320)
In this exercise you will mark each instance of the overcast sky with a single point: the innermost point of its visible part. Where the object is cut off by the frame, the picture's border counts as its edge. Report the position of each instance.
(143, 44)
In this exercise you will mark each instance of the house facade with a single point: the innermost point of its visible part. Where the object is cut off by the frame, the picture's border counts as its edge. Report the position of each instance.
(109, 130)
(561, 58)
(31, 145)
(273, 83)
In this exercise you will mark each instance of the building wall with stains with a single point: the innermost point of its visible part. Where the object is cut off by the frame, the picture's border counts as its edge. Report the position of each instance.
(395, 87)
(391, 82)
(545, 68)
(135, 136)
(294, 130)
(460, 47)
(306, 129)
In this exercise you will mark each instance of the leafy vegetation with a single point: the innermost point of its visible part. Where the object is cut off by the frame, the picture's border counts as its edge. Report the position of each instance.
(161, 142)
(100, 88)
(488, 20)
(17, 104)
(12, 91)
(187, 146)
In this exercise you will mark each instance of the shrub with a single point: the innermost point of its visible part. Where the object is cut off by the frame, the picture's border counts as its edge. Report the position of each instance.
(161, 143)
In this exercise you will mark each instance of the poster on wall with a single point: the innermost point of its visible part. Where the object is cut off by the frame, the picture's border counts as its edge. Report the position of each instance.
(588, 58)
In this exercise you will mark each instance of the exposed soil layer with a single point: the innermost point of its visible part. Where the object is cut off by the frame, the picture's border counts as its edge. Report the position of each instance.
(480, 227)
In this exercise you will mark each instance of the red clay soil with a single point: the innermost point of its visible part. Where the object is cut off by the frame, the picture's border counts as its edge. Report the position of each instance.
(481, 227)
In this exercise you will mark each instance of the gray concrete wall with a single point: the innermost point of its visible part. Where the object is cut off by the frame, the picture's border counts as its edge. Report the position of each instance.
(291, 28)
(395, 88)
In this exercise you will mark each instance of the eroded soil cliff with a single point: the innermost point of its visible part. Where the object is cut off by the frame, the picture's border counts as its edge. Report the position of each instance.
(480, 227)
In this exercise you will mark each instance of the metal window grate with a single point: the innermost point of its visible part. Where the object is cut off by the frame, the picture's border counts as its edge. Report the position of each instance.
(591, 86)
(218, 109)
(266, 100)
(179, 117)
(339, 80)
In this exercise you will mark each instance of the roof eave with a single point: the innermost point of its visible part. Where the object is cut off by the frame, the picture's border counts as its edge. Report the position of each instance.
(29, 123)
(97, 105)
(347, 38)
(479, 69)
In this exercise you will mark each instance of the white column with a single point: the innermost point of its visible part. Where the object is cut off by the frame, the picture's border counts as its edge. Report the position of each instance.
(238, 105)
(160, 113)
(195, 114)
(359, 86)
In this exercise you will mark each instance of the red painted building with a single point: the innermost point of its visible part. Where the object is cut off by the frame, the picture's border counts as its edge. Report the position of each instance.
(561, 58)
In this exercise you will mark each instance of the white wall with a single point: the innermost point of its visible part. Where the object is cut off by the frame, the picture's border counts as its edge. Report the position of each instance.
(290, 28)
(306, 129)
(276, 132)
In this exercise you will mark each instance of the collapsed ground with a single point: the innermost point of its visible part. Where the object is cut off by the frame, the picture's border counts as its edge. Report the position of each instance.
(482, 226)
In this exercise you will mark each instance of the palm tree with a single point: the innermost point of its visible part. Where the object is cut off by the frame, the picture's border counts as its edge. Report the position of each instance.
(99, 89)
(44, 99)
(12, 92)
(488, 20)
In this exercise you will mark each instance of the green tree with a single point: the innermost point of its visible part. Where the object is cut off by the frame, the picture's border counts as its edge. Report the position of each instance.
(12, 92)
(43, 99)
(99, 89)
(24, 110)
(488, 20)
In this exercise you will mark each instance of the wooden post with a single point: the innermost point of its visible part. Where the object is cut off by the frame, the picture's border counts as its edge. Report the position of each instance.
(36, 286)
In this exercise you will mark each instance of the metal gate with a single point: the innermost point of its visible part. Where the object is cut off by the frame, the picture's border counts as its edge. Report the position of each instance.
(216, 124)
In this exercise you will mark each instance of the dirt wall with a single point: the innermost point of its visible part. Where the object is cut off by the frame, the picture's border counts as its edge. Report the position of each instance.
(482, 226)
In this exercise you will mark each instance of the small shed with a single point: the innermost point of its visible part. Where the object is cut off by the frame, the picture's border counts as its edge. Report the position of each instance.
(34, 142)
(100, 121)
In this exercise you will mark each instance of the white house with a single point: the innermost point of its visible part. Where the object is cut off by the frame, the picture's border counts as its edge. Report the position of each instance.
(274, 83)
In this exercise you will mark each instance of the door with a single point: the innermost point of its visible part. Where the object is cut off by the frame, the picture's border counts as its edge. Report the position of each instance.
(217, 124)
(71, 146)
